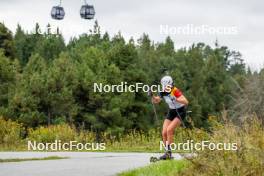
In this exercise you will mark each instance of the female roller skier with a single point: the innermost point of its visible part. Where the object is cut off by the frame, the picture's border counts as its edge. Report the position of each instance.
(176, 114)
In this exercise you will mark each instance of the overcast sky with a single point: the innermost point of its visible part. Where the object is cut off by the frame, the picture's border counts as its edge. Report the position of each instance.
(243, 21)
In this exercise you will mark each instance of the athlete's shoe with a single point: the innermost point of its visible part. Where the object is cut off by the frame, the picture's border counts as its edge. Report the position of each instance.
(166, 156)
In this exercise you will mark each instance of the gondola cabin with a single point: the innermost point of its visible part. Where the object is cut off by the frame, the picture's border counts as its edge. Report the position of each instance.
(57, 13)
(87, 12)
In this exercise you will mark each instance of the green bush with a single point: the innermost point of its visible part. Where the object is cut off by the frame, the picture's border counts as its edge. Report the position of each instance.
(10, 132)
(133, 141)
(248, 160)
(85, 137)
(49, 134)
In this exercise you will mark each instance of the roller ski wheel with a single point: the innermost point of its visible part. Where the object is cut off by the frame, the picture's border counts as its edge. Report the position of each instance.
(154, 159)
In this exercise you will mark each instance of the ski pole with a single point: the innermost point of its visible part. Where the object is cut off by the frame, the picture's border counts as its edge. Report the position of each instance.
(150, 94)
(181, 119)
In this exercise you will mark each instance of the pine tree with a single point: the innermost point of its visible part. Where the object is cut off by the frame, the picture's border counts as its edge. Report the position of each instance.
(6, 41)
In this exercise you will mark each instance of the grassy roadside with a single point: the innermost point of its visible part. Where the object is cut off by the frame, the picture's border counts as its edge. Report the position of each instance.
(245, 159)
(31, 159)
(131, 141)
(122, 147)
(161, 168)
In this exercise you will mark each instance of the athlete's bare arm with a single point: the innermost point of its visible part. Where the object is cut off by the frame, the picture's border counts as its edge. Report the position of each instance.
(182, 99)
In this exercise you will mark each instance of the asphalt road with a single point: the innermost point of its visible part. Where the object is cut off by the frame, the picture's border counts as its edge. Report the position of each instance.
(79, 163)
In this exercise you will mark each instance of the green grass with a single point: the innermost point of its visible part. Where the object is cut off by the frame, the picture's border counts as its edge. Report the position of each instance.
(162, 168)
(131, 141)
(31, 159)
(140, 147)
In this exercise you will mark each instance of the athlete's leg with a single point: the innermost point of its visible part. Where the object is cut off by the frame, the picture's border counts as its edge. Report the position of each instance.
(166, 123)
(170, 129)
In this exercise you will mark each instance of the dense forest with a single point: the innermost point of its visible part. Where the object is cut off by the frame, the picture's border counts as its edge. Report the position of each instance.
(45, 81)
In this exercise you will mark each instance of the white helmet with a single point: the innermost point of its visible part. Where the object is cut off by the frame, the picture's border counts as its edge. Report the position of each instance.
(166, 81)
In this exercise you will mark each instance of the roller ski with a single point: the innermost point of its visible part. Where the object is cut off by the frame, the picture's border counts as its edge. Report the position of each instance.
(166, 156)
